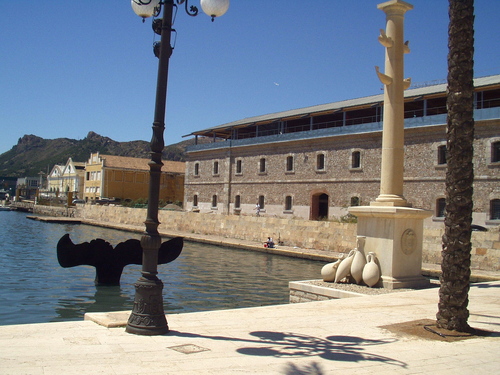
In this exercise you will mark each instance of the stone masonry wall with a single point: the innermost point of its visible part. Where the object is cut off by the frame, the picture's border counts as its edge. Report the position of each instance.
(298, 296)
(54, 211)
(275, 180)
(324, 235)
(485, 254)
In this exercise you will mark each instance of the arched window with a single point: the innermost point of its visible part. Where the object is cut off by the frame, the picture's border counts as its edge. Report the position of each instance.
(288, 203)
(262, 165)
(195, 200)
(239, 168)
(356, 159)
(214, 201)
(237, 202)
(495, 152)
(441, 155)
(440, 207)
(495, 209)
(354, 201)
(320, 162)
(289, 163)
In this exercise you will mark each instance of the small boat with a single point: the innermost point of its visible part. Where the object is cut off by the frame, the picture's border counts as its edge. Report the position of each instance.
(5, 208)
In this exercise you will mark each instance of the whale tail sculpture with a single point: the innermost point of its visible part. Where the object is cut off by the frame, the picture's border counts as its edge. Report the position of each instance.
(108, 261)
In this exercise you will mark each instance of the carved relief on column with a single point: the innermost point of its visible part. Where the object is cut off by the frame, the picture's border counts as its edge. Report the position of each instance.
(392, 168)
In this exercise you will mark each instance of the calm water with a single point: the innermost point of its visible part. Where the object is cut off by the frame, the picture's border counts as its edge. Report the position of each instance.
(36, 289)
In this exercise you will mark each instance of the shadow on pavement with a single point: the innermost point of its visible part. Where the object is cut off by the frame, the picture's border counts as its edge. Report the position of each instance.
(292, 345)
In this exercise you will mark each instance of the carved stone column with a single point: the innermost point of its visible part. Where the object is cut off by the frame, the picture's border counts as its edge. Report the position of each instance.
(391, 183)
(392, 229)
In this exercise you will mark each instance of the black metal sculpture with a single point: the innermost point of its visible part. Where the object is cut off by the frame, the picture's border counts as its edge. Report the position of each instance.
(108, 261)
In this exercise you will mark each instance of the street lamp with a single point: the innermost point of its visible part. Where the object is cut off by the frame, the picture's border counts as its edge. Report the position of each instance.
(148, 316)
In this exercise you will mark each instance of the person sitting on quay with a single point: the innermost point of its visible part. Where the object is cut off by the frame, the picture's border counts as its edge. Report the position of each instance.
(269, 243)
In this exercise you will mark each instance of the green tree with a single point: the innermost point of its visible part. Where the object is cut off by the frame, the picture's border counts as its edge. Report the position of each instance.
(454, 290)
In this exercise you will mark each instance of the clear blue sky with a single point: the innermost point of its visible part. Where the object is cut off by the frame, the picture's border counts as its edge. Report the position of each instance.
(70, 67)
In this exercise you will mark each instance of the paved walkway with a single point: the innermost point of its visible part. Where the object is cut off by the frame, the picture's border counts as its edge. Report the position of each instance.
(329, 337)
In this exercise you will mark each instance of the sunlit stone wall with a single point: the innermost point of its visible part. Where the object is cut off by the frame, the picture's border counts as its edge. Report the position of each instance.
(322, 235)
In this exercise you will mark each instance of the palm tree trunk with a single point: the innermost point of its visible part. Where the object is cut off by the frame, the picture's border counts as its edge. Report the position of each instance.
(454, 290)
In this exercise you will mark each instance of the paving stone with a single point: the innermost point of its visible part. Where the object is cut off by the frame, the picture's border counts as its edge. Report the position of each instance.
(334, 336)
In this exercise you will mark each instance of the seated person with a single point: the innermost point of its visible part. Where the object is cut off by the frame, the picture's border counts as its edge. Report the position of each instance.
(269, 243)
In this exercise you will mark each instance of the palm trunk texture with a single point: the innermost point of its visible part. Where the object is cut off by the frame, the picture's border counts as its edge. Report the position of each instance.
(454, 290)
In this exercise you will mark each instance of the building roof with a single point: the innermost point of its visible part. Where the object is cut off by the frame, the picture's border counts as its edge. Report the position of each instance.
(56, 171)
(125, 162)
(339, 106)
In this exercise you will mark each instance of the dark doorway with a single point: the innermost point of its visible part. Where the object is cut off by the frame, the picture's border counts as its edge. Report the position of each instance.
(319, 206)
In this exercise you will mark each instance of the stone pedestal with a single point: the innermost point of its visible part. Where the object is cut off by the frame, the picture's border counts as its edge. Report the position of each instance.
(395, 235)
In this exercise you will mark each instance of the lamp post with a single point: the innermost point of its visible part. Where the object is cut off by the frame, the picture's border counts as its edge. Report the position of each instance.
(148, 316)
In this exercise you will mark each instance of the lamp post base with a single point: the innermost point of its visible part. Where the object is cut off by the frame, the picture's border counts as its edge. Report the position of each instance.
(147, 317)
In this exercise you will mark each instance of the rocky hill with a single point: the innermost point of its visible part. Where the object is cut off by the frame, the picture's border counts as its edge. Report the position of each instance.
(33, 154)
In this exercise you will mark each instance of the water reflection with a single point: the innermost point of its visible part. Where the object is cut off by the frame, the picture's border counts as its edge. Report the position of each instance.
(112, 297)
(36, 289)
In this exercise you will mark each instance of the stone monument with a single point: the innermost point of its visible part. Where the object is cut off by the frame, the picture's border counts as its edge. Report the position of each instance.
(393, 229)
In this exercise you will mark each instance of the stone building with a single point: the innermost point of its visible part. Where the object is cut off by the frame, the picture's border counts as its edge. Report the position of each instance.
(317, 161)
(108, 176)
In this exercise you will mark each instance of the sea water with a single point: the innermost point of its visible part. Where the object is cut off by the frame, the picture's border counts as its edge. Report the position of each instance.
(35, 288)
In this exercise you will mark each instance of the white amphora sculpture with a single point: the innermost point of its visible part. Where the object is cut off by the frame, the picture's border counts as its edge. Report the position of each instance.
(371, 272)
(359, 260)
(344, 268)
(329, 271)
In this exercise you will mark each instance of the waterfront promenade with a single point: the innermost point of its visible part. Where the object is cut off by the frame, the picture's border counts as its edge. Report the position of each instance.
(347, 336)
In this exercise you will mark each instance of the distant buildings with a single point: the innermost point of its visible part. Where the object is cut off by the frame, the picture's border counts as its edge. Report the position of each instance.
(27, 187)
(7, 187)
(67, 178)
(128, 178)
(317, 161)
(104, 176)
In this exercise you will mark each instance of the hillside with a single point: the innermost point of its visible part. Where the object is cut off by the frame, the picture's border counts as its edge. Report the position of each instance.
(33, 154)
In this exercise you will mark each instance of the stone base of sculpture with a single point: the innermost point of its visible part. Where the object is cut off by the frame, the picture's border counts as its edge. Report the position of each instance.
(394, 234)
(415, 282)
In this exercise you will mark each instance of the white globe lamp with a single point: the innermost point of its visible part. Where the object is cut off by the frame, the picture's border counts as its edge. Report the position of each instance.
(214, 8)
(145, 8)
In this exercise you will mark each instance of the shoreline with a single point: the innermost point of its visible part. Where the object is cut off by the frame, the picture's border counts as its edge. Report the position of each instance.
(428, 269)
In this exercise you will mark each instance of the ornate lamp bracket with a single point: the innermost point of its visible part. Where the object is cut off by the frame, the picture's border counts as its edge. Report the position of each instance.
(192, 11)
